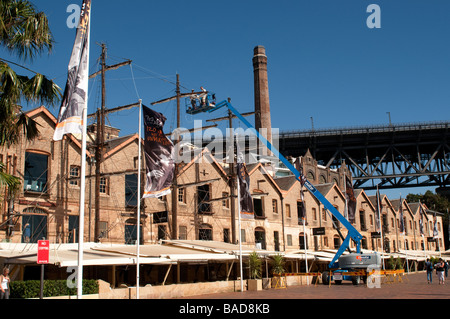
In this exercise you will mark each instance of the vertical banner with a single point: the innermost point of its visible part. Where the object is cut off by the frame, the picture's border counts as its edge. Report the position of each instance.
(70, 118)
(351, 200)
(402, 219)
(246, 201)
(378, 212)
(435, 228)
(302, 212)
(421, 220)
(159, 155)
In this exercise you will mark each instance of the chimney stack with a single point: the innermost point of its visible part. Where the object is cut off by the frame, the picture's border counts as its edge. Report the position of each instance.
(262, 104)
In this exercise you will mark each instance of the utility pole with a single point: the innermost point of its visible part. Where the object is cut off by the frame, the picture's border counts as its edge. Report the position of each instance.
(233, 182)
(175, 184)
(232, 175)
(100, 134)
(100, 140)
(177, 97)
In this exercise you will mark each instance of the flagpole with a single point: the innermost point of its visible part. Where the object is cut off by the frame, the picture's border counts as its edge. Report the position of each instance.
(81, 217)
(380, 224)
(239, 221)
(421, 230)
(83, 178)
(240, 237)
(405, 243)
(306, 246)
(138, 222)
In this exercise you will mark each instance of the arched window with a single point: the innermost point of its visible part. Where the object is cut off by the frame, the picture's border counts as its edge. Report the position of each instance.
(364, 242)
(205, 232)
(301, 240)
(336, 241)
(387, 249)
(322, 179)
(260, 237)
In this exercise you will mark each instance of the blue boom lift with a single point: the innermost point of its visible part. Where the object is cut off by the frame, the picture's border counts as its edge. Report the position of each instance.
(339, 264)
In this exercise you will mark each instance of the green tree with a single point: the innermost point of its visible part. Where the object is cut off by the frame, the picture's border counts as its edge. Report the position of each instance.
(433, 201)
(25, 33)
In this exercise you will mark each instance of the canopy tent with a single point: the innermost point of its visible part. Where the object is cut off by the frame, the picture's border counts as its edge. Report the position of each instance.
(65, 255)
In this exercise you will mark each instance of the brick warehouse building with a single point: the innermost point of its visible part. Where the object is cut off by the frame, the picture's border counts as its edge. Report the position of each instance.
(48, 201)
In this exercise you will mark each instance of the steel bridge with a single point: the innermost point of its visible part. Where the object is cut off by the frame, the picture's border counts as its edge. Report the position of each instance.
(390, 156)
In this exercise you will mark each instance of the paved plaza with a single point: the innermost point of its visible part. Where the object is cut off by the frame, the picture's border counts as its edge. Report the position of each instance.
(412, 286)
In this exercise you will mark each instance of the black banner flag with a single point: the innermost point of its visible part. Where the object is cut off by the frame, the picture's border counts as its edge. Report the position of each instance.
(351, 200)
(302, 179)
(402, 219)
(378, 212)
(246, 201)
(159, 155)
(421, 213)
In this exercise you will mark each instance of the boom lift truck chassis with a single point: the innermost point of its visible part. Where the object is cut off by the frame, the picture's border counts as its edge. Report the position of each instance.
(339, 264)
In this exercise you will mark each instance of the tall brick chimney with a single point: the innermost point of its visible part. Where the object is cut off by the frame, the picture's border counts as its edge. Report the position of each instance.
(262, 104)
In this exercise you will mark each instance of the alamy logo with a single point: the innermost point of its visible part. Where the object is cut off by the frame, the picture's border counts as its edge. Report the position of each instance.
(72, 278)
(374, 19)
(74, 17)
(374, 277)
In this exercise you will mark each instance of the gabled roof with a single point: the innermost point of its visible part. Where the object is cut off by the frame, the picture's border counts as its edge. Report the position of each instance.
(415, 207)
(361, 192)
(325, 189)
(119, 143)
(204, 152)
(373, 200)
(43, 110)
(396, 204)
(286, 183)
(266, 174)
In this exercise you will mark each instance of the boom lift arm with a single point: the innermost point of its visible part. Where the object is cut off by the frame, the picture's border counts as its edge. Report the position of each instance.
(352, 232)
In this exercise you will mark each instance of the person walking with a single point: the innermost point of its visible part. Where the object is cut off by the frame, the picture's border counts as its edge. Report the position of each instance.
(429, 269)
(4, 284)
(440, 271)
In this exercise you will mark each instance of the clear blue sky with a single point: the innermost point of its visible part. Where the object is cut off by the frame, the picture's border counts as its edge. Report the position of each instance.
(324, 62)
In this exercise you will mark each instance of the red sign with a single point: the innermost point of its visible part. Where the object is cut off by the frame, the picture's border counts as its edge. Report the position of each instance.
(43, 255)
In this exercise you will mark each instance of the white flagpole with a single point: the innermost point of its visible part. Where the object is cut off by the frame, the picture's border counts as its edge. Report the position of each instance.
(306, 246)
(240, 236)
(239, 220)
(81, 217)
(380, 224)
(138, 222)
(422, 233)
(405, 241)
(83, 182)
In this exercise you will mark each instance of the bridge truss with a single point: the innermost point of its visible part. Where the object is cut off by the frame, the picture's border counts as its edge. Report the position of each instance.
(391, 156)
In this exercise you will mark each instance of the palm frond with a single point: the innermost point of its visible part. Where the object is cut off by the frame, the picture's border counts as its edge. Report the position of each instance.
(40, 89)
(8, 180)
(23, 30)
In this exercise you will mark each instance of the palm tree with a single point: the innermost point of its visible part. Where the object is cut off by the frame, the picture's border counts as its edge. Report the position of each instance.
(25, 33)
